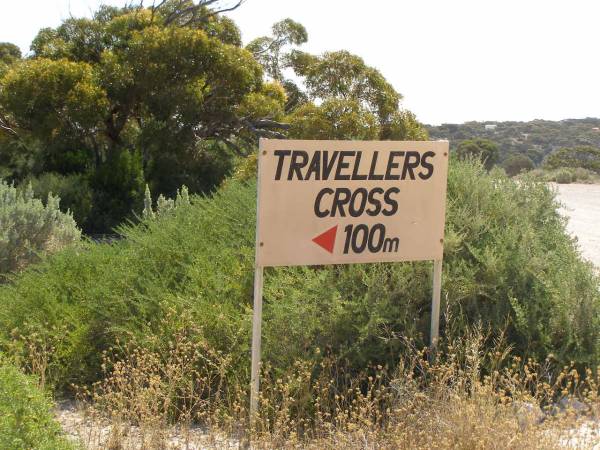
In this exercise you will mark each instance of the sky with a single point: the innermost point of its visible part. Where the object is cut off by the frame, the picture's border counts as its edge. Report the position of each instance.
(453, 61)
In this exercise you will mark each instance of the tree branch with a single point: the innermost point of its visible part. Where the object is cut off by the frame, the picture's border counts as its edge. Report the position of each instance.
(4, 125)
(199, 12)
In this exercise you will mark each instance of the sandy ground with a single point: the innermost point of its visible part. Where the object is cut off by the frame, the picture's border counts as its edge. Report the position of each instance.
(581, 204)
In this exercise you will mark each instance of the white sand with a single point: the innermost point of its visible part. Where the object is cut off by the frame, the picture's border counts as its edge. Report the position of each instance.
(581, 204)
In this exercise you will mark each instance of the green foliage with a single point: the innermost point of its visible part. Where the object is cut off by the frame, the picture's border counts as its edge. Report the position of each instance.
(534, 139)
(51, 98)
(73, 190)
(357, 90)
(342, 74)
(26, 420)
(563, 176)
(482, 150)
(169, 82)
(164, 205)
(9, 53)
(516, 164)
(584, 157)
(508, 263)
(268, 50)
(118, 189)
(29, 229)
(333, 119)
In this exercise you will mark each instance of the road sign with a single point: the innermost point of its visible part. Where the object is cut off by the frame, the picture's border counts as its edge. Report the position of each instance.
(341, 202)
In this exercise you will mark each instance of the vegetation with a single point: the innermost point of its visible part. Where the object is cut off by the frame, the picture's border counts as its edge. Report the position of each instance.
(564, 175)
(26, 420)
(29, 228)
(483, 150)
(535, 139)
(517, 164)
(509, 265)
(577, 157)
(451, 403)
(165, 95)
(128, 114)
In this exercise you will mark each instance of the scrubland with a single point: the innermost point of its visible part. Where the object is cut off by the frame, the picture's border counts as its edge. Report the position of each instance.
(153, 331)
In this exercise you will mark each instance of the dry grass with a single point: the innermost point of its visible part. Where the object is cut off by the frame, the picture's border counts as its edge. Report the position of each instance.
(467, 399)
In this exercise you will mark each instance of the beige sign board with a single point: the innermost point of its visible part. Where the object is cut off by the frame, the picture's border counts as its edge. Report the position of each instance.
(339, 202)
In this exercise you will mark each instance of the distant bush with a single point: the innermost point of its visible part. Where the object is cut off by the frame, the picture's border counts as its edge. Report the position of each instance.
(29, 228)
(508, 264)
(581, 174)
(26, 420)
(563, 177)
(516, 164)
(482, 150)
(585, 157)
(73, 190)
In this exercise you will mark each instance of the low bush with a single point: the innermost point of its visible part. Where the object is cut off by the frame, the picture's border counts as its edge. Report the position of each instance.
(452, 402)
(28, 228)
(563, 176)
(586, 157)
(73, 190)
(26, 420)
(516, 164)
(508, 264)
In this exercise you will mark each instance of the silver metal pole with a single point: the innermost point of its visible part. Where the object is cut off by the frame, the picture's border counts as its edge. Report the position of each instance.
(257, 308)
(256, 338)
(435, 303)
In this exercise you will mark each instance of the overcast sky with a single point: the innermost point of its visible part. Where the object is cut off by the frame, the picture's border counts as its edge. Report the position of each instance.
(453, 61)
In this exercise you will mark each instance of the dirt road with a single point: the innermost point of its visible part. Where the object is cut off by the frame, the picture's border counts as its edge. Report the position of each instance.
(581, 204)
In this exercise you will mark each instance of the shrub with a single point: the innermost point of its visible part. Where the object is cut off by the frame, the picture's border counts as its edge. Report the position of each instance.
(508, 264)
(586, 157)
(581, 174)
(118, 191)
(26, 420)
(482, 150)
(73, 190)
(453, 403)
(563, 176)
(516, 164)
(28, 228)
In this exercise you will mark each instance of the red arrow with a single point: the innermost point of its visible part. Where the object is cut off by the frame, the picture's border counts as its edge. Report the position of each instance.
(326, 239)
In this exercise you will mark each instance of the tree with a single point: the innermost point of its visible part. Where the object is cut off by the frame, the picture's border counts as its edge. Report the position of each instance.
(516, 164)
(9, 53)
(268, 50)
(586, 157)
(482, 149)
(342, 82)
(344, 98)
(333, 119)
(272, 53)
(168, 84)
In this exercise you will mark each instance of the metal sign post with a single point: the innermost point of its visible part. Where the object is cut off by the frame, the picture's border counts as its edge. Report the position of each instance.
(256, 309)
(256, 338)
(435, 304)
